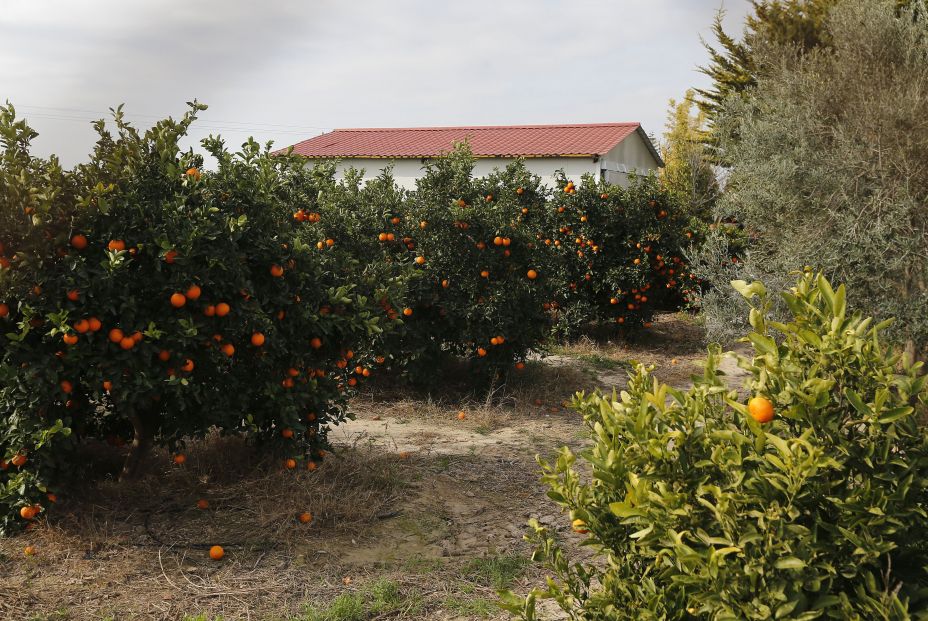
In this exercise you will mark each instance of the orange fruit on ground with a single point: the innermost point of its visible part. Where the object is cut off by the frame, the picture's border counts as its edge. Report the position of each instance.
(4, 310)
(69, 339)
(178, 300)
(532, 274)
(228, 349)
(312, 466)
(305, 517)
(257, 339)
(29, 550)
(760, 409)
(179, 459)
(462, 415)
(222, 309)
(216, 553)
(66, 387)
(290, 464)
(202, 504)
(193, 292)
(277, 271)
(74, 295)
(315, 342)
(79, 242)
(107, 385)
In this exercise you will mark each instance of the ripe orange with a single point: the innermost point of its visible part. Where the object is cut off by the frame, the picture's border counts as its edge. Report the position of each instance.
(4, 310)
(407, 312)
(497, 241)
(170, 256)
(107, 385)
(164, 355)
(79, 242)
(116, 245)
(66, 387)
(445, 284)
(305, 517)
(18, 460)
(202, 504)
(216, 553)
(188, 366)
(420, 260)
(51, 497)
(760, 409)
(315, 342)
(579, 526)
(180, 459)
(481, 352)
(485, 274)
(81, 326)
(277, 271)
(462, 415)
(74, 295)
(519, 191)
(95, 324)
(228, 349)
(423, 224)
(257, 339)
(532, 274)
(286, 433)
(331, 242)
(312, 466)
(193, 172)
(520, 365)
(127, 343)
(193, 293)
(27, 513)
(69, 339)
(222, 309)
(290, 464)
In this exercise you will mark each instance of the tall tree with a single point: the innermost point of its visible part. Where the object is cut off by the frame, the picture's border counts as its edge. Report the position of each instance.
(688, 170)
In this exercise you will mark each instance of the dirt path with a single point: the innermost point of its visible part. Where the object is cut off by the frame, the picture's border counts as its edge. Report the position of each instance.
(419, 515)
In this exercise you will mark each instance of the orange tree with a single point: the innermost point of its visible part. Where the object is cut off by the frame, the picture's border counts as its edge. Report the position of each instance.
(618, 252)
(140, 297)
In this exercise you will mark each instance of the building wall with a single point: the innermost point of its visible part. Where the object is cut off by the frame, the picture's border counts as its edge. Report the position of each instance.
(631, 154)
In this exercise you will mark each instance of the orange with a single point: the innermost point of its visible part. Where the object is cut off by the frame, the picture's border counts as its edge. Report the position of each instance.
(202, 504)
(193, 172)
(315, 342)
(506, 242)
(188, 366)
(66, 387)
(179, 459)
(444, 284)
(423, 224)
(462, 415)
(216, 553)
(481, 352)
(116, 244)
(209, 310)
(127, 343)
(178, 300)
(18, 460)
(277, 271)
(29, 550)
(4, 310)
(79, 242)
(193, 293)
(519, 191)
(485, 274)
(311, 466)
(257, 339)
(331, 242)
(532, 274)
(51, 497)
(390, 237)
(228, 349)
(107, 385)
(604, 196)
(170, 256)
(95, 324)
(760, 409)
(27, 513)
(81, 326)
(222, 309)
(497, 241)
(290, 464)
(74, 295)
(420, 260)
(520, 365)
(69, 339)
(407, 312)
(579, 526)
(164, 355)
(305, 517)
(286, 433)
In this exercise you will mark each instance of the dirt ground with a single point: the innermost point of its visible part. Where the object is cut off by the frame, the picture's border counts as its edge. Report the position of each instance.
(417, 515)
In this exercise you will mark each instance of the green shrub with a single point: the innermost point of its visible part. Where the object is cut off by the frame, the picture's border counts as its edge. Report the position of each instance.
(697, 511)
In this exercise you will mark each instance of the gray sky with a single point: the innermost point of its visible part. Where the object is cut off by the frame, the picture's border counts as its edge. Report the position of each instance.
(285, 71)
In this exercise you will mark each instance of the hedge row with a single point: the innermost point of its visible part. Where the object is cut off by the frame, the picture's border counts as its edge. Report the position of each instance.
(143, 298)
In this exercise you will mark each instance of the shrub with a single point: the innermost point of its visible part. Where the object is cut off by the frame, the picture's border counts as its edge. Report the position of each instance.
(145, 299)
(701, 510)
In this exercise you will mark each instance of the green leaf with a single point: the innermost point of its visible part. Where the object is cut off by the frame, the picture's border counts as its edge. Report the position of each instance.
(789, 562)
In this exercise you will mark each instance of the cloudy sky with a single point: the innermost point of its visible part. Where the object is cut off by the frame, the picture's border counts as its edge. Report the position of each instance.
(287, 70)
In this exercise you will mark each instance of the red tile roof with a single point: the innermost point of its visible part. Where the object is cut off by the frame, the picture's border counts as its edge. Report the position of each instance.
(487, 141)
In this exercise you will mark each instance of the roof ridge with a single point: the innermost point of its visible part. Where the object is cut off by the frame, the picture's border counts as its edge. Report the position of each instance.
(485, 127)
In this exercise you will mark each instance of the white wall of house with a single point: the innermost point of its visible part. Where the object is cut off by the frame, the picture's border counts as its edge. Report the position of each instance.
(631, 154)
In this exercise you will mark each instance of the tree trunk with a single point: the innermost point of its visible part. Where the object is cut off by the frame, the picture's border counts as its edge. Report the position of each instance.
(141, 442)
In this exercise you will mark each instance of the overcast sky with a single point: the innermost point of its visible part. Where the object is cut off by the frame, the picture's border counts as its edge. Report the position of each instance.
(285, 71)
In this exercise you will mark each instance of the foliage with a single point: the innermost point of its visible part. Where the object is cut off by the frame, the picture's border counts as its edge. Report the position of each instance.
(688, 170)
(134, 288)
(699, 512)
(829, 152)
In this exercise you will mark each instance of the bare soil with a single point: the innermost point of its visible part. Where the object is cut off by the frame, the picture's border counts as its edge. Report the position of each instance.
(414, 503)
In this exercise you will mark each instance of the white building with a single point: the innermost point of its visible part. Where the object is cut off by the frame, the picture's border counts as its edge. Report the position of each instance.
(607, 151)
